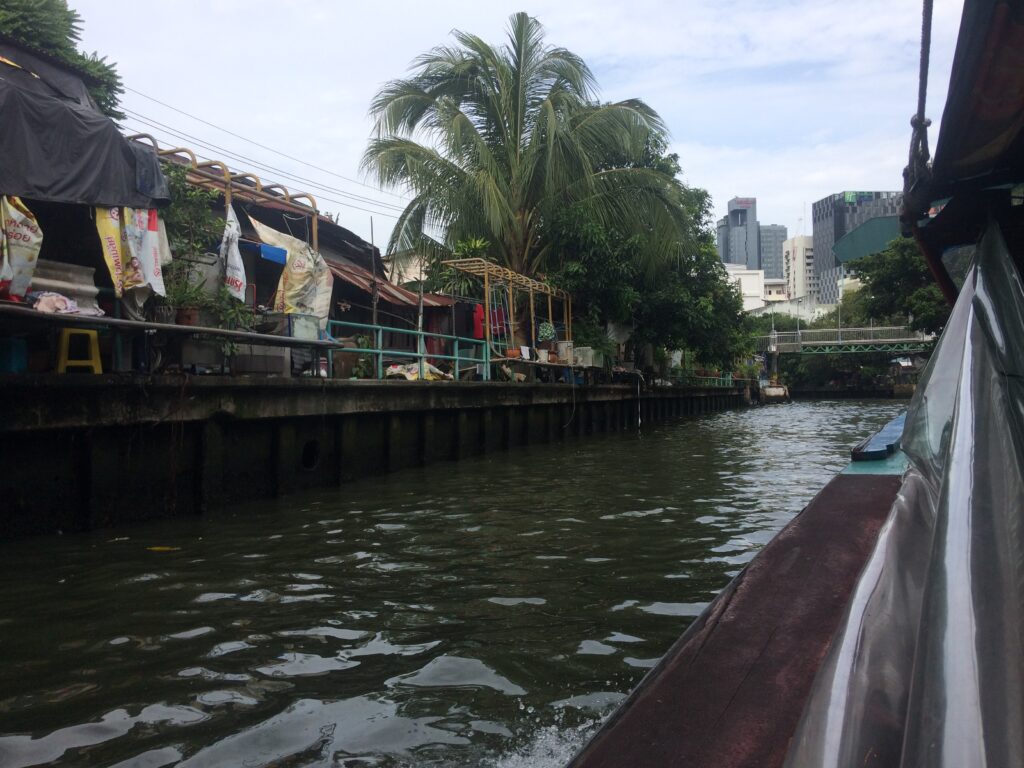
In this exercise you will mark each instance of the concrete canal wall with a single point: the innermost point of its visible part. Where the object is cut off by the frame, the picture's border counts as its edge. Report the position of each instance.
(80, 452)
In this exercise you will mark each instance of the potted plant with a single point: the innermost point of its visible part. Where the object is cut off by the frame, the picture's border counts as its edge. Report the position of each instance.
(183, 294)
(546, 336)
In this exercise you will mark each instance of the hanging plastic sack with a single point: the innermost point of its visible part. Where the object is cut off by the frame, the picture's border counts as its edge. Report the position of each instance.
(234, 270)
(306, 282)
(20, 241)
(142, 231)
(116, 252)
(165, 245)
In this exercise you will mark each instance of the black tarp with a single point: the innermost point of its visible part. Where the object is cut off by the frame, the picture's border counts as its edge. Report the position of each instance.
(65, 82)
(982, 136)
(55, 148)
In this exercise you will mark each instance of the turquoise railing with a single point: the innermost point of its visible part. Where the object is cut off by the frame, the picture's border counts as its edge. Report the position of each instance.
(459, 346)
(686, 380)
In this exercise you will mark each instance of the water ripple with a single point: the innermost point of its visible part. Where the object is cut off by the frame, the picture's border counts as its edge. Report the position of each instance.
(482, 613)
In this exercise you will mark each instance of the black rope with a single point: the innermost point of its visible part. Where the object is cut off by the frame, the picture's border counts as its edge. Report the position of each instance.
(919, 154)
(926, 46)
(917, 173)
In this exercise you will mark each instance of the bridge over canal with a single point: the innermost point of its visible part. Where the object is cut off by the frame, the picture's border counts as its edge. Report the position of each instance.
(830, 341)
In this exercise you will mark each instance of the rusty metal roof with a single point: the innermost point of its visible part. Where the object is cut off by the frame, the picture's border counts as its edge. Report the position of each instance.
(393, 294)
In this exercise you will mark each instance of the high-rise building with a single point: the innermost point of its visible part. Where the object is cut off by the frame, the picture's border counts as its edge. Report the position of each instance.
(798, 266)
(833, 217)
(772, 237)
(739, 238)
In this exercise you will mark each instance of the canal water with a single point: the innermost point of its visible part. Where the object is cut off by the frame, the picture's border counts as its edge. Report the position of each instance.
(483, 613)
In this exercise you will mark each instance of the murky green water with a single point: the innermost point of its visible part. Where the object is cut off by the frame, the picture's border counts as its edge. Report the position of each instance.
(489, 612)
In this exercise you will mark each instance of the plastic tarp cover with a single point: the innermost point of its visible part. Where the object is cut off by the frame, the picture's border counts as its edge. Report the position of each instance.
(63, 152)
(926, 669)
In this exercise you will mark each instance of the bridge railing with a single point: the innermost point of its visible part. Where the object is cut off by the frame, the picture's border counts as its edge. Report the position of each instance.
(791, 341)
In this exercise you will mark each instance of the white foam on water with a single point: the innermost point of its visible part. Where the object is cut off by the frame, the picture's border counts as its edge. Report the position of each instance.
(550, 747)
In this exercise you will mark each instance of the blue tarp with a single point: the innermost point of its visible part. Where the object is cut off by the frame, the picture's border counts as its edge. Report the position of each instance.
(268, 252)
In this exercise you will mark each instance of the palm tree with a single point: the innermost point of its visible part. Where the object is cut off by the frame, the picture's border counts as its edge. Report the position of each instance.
(492, 142)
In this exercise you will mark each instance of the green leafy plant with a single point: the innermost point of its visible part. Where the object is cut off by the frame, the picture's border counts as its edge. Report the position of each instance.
(229, 312)
(192, 226)
(181, 286)
(363, 369)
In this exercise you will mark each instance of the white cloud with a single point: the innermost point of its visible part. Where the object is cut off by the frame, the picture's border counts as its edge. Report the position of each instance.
(787, 100)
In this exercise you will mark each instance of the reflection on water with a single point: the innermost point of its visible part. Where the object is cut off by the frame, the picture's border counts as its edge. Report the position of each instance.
(487, 612)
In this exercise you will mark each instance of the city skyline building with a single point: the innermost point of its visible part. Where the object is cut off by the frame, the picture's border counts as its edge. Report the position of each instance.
(739, 236)
(798, 266)
(772, 236)
(834, 216)
(743, 240)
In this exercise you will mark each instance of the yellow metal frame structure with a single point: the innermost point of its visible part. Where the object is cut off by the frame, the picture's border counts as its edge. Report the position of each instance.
(215, 175)
(494, 274)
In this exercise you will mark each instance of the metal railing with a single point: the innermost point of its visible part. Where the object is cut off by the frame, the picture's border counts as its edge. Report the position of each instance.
(789, 341)
(688, 380)
(460, 346)
(318, 347)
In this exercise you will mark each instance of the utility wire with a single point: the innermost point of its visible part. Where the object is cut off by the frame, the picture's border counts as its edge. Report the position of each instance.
(256, 143)
(148, 127)
(178, 133)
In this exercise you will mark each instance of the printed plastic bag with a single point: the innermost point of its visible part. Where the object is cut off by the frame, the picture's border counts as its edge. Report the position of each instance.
(116, 251)
(142, 230)
(234, 270)
(20, 242)
(306, 283)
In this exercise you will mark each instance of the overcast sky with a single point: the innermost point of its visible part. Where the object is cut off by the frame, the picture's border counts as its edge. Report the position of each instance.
(786, 101)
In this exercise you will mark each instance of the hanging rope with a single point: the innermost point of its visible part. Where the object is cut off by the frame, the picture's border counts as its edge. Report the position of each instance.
(917, 173)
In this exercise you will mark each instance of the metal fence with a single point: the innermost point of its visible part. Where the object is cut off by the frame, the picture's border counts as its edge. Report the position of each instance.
(687, 380)
(462, 350)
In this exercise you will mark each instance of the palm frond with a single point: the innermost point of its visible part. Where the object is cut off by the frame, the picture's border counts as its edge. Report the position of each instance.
(493, 141)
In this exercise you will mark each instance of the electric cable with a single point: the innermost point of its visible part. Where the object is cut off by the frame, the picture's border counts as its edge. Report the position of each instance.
(256, 143)
(151, 127)
(180, 133)
(260, 167)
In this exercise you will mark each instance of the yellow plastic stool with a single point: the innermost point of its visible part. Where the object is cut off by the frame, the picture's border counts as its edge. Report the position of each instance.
(92, 361)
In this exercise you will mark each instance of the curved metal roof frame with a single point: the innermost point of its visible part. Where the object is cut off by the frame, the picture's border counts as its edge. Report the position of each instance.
(215, 175)
(482, 267)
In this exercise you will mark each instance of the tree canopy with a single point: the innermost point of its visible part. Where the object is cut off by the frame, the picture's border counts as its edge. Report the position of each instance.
(494, 142)
(508, 146)
(689, 303)
(898, 284)
(54, 27)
